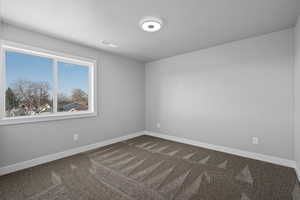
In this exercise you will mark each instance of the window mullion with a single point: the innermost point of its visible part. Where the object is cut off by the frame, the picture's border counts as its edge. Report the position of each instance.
(55, 85)
(90, 94)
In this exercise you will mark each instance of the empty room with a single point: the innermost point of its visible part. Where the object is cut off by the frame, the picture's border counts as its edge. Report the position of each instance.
(149, 100)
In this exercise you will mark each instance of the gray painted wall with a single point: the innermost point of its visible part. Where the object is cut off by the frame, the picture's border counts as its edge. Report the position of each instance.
(120, 105)
(297, 93)
(223, 95)
(227, 94)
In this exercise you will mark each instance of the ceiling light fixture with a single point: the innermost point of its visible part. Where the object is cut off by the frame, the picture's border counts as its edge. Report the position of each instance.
(151, 24)
(106, 43)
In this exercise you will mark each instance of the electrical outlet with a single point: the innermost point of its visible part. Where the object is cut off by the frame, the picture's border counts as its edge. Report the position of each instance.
(158, 125)
(255, 140)
(75, 137)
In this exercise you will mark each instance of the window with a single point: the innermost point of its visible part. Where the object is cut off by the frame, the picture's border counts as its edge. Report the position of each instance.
(74, 98)
(38, 85)
(29, 83)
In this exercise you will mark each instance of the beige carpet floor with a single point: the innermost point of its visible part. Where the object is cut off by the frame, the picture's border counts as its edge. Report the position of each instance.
(146, 168)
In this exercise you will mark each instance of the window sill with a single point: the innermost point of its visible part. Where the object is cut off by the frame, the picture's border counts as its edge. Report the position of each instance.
(43, 118)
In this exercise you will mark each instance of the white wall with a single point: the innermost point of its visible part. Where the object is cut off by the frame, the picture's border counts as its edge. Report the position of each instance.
(120, 102)
(227, 94)
(297, 94)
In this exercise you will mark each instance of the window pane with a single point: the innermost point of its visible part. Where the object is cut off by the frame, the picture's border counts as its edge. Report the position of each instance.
(73, 85)
(29, 81)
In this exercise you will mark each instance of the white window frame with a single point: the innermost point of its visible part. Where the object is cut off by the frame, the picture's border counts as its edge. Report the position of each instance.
(56, 57)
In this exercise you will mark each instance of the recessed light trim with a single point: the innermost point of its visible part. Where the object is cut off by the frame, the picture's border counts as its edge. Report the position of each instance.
(151, 24)
(106, 43)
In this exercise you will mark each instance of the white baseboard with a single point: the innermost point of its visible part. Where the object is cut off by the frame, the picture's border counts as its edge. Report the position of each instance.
(56, 156)
(256, 156)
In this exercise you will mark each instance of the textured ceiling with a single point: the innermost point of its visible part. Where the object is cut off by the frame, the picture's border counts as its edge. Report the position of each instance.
(190, 24)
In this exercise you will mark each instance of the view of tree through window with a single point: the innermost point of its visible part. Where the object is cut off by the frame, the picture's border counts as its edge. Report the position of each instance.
(74, 98)
(30, 86)
(29, 82)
